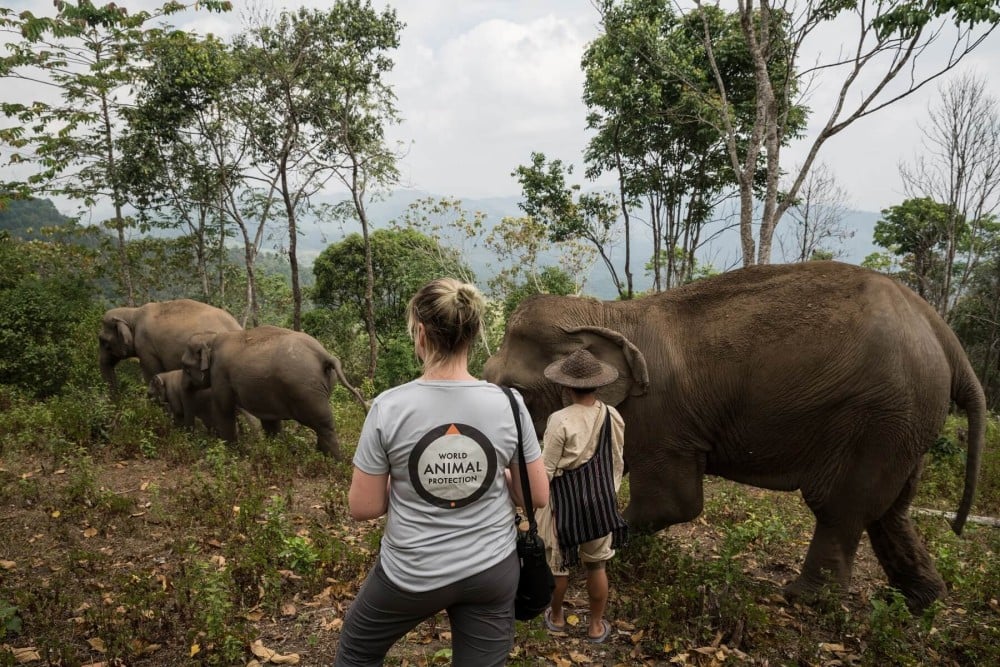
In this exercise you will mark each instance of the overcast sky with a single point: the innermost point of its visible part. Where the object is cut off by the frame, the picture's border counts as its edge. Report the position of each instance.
(483, 83)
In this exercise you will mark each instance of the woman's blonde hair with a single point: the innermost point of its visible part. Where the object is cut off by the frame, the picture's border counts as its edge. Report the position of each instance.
(452, 314)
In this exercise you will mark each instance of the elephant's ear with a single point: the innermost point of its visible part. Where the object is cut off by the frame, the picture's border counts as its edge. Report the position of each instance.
(124, 333)
(613, 348)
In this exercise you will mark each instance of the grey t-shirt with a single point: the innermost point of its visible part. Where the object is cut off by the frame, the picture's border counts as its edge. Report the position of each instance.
(445, 445)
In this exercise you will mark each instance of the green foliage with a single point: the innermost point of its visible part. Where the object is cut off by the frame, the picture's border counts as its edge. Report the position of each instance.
(45, 290)
(918, 230)
(550, 280)
(403, 260)
(10, 622)
(567, 214)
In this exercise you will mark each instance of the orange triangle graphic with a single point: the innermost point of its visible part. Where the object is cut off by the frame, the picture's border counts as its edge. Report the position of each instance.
(453, 430)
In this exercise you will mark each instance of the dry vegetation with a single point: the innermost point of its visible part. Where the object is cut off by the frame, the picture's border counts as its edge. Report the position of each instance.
(126, 542)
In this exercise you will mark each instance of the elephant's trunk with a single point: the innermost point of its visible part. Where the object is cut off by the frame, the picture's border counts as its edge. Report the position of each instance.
(108, 364)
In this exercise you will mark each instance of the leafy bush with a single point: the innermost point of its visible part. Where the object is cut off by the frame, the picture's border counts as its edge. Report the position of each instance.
(44, 295)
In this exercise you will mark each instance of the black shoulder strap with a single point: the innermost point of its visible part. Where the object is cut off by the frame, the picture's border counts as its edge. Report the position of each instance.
(523, 467)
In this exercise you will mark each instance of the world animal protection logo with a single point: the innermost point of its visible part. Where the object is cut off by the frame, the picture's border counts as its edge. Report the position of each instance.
(453, 465)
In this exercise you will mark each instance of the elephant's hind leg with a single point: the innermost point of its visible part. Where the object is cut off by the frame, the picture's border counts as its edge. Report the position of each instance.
(326, 438)
(902, 553)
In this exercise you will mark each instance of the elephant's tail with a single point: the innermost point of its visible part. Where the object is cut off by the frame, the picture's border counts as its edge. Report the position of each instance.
(968, 394)
(333, 363)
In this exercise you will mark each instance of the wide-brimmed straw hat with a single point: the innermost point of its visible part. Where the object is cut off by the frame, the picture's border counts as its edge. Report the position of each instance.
(581, 370)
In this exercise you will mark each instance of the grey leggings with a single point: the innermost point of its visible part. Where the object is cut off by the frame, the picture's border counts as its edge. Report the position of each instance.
(480, 609)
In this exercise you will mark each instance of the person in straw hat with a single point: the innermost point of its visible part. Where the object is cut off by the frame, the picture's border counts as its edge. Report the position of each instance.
(572, 436)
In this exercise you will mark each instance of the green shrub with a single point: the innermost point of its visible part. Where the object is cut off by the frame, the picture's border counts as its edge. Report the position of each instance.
(43, 297)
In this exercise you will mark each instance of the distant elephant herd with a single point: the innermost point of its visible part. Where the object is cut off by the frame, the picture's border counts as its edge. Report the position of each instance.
(199, 363)
(820, 377)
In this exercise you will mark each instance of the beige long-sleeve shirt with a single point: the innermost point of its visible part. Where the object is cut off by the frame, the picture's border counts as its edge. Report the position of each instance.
(571, 438)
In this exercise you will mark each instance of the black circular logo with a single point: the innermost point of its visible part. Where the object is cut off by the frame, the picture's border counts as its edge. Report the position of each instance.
(452, 465)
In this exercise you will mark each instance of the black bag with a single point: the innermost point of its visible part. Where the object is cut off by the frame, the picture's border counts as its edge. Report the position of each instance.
(584, 503)
(534, 588)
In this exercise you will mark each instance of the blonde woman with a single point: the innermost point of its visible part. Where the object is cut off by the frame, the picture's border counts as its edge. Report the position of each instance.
(435, 455)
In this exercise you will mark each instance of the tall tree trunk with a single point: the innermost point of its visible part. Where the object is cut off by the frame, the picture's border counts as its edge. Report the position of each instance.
(293, 258)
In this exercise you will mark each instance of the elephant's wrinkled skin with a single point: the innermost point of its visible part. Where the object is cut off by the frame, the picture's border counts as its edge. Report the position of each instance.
(270, 372)
(156, 333)
(820, 377)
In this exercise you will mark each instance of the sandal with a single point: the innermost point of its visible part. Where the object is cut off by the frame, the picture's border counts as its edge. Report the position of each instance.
(552, 627)
(603, 636)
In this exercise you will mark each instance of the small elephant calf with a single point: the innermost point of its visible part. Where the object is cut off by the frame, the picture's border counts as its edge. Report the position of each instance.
(167, 389)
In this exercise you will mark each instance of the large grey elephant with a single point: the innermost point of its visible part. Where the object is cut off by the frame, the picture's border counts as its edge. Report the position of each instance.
(820, 377)
(271, 372)
(156, 333)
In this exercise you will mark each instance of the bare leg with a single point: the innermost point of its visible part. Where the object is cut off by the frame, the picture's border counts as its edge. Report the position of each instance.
(558, 596)
(597, 592)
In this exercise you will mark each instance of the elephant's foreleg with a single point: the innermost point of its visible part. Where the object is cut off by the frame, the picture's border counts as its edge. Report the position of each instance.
(225, 417)
(665, 490)
(902, 553)
(830, 557)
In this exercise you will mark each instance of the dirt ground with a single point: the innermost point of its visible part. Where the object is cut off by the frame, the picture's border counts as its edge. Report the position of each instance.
(38, 539)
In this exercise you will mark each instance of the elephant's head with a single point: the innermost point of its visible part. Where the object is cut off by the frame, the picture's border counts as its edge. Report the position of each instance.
(546, 328)
(156, 391)
(116, 341)
(197, 360)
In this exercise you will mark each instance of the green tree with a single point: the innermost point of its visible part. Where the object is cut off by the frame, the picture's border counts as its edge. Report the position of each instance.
(402, 261)
(959, 165)
(976, 319)
(176, 155)
(89, 55)
(650, 94)
(917, 230)
(883, 58)
(567, 213)
(318, 97)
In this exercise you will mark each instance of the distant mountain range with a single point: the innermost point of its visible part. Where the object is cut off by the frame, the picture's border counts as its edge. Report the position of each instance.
(722, 250)
(721, 247)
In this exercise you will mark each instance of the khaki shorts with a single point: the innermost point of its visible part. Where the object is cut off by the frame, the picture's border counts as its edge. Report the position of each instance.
(595, 551)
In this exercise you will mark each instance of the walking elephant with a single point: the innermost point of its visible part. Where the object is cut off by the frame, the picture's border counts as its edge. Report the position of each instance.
(156, 333)
(270, 372)
(820, 377)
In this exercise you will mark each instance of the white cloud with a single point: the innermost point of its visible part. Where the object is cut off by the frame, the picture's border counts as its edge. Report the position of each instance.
(478, 103)
(482, 83)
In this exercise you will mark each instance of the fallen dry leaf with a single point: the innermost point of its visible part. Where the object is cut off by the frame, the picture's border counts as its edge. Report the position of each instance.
(267, 655)
(25, 654)
(573, 620)
(288, 609)
(7, 565)
(97, 644)
(579, 658)
(333, 625)
(90, 532)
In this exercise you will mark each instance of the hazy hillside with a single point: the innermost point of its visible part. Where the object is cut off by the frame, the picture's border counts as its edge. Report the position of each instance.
(720, 249)
(720, 240)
